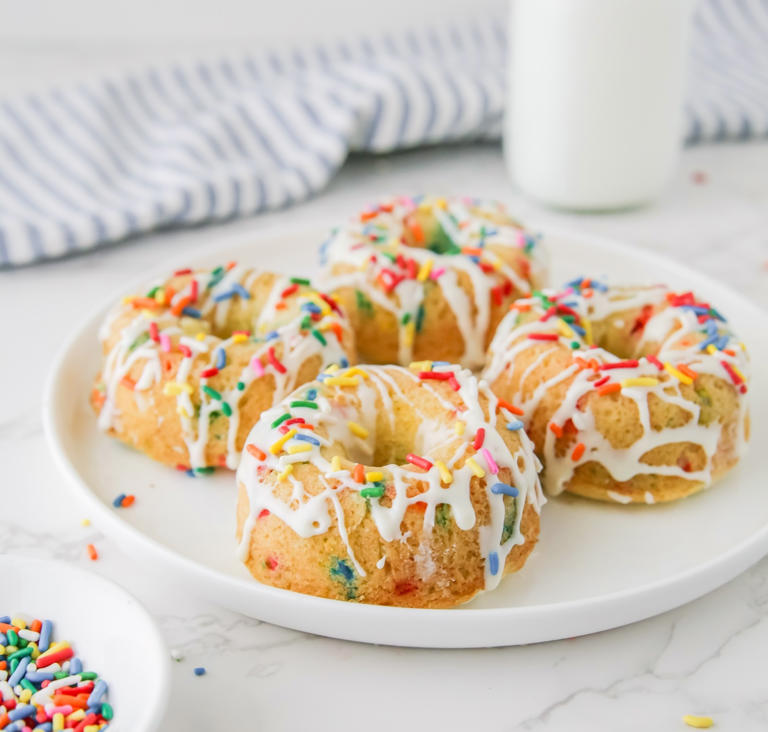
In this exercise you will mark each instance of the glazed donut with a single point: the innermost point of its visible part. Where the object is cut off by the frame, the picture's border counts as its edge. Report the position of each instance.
(189, 367)
(386, 485)
(630, 394)
(428, 277)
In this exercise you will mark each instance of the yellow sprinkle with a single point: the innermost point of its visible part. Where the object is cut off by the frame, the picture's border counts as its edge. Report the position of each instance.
(19, 623)
(277, 446)
(737, 370)
(679, 375)
(425, 207)
(288, 470)
(128, 299)
(200, 336)
(699, 722)
(424, 270)
(640, 381)
(76, 716)
(497, 264)
(35, 650)
(342, 381)
(373, 475)
(317, 300)
(355, 371)
(91, 728)
(441, 203)
(293, 449)
(357, 429)
(475, 468)
(85, 522)
(711, 349)
(55, 647)
(25, 696)
(182, 411)
(458, 427)
(58, 722)
(420, 365)
(173, 388)
(332, 369)
(587, 331)
(239, 338)
(742, 346)
(160, 295)
(148, 314)
(445, 475)
(410, 330)
(566, 329)
(335, 464)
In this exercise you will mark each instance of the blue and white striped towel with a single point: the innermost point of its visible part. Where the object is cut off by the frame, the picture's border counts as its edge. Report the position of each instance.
(86, 166)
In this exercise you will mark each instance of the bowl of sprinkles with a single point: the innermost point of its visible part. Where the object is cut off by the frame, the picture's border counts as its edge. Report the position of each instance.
(70, 645)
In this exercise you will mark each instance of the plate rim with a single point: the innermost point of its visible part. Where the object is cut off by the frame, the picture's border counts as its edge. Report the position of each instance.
(691, 583)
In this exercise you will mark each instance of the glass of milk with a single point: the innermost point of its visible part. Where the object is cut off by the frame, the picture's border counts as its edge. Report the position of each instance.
(595, 109)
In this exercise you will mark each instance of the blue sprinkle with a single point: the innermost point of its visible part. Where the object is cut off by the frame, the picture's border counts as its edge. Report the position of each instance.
(708, 342)
(722, 342)
(344, 362)
(37, 676)
(98, 692)
(190, 473)
(307, 438)
(18, 675)
(711, 327)
(75, 665)
(119, 500)
(575, 283)
(515, 425)
(311, 307)
(221, 358)
(21, 712)
(3, 639)
(5, 619)
(45, 635)
(440, 363)
(599, 286)
(224, 296)
(578, 329)
(343, 570)
(240, 290)
(48, 726)
(191, 312)
(312, 395)
(698, 309)
(504, 489)
(271, 335)
(475, 258)
(199, 670)
(493, 563)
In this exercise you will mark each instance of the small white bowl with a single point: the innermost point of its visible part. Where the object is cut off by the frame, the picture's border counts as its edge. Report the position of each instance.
(109, 630)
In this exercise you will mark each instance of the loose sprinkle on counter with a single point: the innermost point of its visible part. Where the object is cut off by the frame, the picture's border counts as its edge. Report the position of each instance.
(693, 720)
(200, 671)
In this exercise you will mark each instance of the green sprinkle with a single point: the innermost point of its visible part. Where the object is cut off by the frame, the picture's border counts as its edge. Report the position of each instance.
(226, 409)
(106, 711)
(405, 319)
(20, 653)
(142, 338)
(61, 675)
(320, 337)
(375, 490)
(391, 257)
(567, 318)
(300, 281)
(211, 392)
(205, 471)
(13, 638)
(420, 313)
(219, 270)
(13, 665)
(303, 403)
(153, 291)
(240, 385)
(280, 420)
(575, 345)
(306, 322)
(363, 303)
(91, 675)
(23, 642)
(27, 684)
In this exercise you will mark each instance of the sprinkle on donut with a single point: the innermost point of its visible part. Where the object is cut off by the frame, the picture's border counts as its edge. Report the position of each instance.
(430, 277)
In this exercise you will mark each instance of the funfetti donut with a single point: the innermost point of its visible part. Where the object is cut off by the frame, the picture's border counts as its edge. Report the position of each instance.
(430, 277)
(189, 365)
(630, 394)
(387, 485)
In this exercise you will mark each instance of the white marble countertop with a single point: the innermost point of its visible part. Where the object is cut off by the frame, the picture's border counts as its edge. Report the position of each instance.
(708, 657)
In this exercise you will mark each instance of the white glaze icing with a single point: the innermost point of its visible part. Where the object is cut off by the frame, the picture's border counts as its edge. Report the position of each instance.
(362, 243)
(672, 333)
(271, 327)
(374, 393)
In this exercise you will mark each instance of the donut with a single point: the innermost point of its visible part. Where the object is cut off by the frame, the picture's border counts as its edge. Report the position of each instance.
(386, 485)
(429, 277)
(630, 394)
(189, 366)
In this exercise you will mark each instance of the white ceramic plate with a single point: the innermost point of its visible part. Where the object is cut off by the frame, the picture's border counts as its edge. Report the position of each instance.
(597, 565)
(108, 629)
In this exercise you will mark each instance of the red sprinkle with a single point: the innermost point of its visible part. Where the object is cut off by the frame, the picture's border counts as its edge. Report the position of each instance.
(578, 451)
(193, 290)
(180, 272)
(56, 656)
(504, 404)
(602, 381)
(273, 360)
(288, 291)
(264, 512)
(93, 555)
(330, 302)
(153, 334)
(454, 383)
(419, 462)
(556, 429)
(253, 450)
(438, 375)
(271, 563)
(207, 373)
(185, 350)
(655, 361)
(543, 336)
(294, 420)
(479, 438)
(735, 378)
(631, 364)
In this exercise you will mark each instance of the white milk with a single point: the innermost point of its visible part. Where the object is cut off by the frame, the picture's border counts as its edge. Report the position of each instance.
(596, 92)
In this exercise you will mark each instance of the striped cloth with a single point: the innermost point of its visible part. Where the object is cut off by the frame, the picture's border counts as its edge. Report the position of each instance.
(85, 166)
